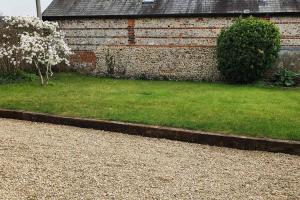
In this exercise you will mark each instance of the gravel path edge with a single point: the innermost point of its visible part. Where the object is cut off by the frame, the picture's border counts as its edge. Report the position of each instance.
(213, 139)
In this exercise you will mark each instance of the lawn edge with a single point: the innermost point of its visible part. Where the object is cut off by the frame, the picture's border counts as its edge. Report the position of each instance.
(199, 137)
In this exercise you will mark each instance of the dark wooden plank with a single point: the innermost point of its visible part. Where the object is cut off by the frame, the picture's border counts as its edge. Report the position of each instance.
(230, 141)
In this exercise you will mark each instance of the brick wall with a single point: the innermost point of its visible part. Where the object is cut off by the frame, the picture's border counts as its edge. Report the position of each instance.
(101, 43)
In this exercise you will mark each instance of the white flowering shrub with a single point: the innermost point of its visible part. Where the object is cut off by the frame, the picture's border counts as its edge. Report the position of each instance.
(8, 53)
(33, 41)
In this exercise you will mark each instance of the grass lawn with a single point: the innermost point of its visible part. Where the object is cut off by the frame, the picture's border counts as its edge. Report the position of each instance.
(243, 110)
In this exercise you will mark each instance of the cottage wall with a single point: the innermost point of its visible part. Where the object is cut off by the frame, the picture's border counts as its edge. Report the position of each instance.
(160, 48)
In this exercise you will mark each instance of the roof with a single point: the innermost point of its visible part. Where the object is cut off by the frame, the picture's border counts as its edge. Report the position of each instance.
(135, 8)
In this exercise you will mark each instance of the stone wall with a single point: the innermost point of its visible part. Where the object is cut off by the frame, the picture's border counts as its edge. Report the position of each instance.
(165, 63)
(160, 48)
(290, 59)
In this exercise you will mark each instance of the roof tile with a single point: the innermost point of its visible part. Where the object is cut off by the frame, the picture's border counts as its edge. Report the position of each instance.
(122, 8)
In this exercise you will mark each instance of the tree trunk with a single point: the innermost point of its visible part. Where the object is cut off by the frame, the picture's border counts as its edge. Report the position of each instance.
(47, 73)
(39, 73)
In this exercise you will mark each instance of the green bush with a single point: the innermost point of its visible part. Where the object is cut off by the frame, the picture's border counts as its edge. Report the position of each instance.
(286, 78)
(247, 49)
(16, 77)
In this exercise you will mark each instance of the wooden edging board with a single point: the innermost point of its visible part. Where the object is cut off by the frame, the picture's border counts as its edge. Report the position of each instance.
(213, 139)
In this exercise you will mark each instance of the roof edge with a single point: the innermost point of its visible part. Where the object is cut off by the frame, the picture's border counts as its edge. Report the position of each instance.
(170, 15)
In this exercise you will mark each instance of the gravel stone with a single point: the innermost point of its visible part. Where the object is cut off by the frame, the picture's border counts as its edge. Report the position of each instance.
(43, 161)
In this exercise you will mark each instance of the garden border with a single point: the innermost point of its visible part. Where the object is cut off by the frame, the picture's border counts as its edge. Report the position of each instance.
(230, 141)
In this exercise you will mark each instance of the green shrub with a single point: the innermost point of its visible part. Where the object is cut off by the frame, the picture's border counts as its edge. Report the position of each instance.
(247, 49)
(16, 77)
(286, 78)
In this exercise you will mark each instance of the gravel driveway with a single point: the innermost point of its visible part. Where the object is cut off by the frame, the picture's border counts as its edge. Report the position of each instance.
(42, 161)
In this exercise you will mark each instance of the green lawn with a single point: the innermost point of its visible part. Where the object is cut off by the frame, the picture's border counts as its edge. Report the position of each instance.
(243, 110)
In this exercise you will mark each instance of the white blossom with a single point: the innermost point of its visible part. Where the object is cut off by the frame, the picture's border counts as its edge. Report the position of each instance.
(43, 47)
